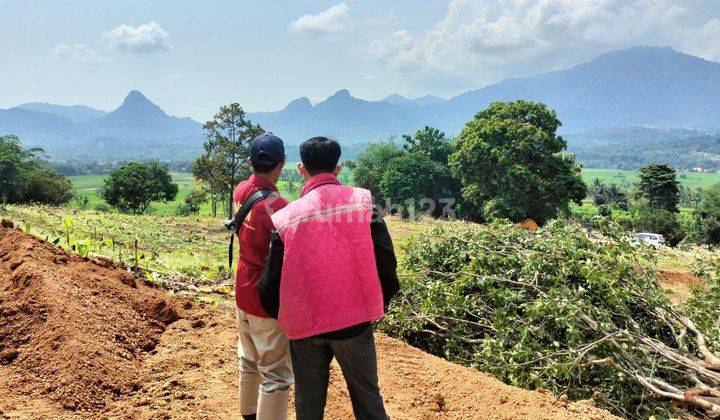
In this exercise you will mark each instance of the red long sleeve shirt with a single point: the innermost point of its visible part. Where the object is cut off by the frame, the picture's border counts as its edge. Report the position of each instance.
(254, 240)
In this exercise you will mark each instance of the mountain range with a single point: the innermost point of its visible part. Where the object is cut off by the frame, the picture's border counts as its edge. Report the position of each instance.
(640, 86)
(137, 129)
(650, 87)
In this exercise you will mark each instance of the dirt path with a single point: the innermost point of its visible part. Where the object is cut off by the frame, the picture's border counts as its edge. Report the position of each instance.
(185, 368)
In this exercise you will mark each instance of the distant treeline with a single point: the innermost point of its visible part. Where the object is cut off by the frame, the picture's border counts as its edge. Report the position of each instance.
(71, 168)
(94, 167)
(701, 151)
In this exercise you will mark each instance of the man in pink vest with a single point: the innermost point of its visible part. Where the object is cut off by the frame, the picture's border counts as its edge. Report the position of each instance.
(330, 274)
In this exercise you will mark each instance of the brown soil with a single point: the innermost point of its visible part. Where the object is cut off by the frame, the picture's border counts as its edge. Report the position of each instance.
(82, 338)
(678, 284)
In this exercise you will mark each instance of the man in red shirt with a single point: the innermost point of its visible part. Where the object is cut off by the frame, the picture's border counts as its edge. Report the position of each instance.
(265, 368)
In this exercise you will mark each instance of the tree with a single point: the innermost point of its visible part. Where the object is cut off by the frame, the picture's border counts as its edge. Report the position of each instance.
(132, 187)
(430, 142)
(369, 167)
(227, 149)
(414, 180)
(706, 218)
(15, 165)
(48, 186)
(25, 178)
(511, 164)
(611, 195)
(659, 186)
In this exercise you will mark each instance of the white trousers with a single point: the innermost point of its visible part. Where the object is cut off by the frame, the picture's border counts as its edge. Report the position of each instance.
(265, 368)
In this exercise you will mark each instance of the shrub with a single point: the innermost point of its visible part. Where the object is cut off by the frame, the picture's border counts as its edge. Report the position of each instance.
(550, 309)
(604, 210)
(102, 208)
(193, 202)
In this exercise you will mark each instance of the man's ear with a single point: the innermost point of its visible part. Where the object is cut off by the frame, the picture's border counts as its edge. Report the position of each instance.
(303, 171)
(337, 170)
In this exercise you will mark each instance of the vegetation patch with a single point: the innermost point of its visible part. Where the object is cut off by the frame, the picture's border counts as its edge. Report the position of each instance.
(557, 310)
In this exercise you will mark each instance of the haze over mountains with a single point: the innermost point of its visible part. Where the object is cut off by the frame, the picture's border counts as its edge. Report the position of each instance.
(137, 129)
(641, 86)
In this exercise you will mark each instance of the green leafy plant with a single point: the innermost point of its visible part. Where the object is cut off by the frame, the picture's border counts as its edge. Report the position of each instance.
(557, 310)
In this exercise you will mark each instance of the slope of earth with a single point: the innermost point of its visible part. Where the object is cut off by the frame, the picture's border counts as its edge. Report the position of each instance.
(72, 331)
(81, 338)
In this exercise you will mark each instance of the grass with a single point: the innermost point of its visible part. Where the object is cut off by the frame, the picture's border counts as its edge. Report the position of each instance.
(193, 245)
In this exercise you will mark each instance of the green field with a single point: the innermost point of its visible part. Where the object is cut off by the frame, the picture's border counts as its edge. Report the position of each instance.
(89, 185)
(622, 177)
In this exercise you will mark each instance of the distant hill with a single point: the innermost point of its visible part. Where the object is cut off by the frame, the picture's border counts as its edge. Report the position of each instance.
(137, 129)
(138, 117)
(640, 86)
(74, 113)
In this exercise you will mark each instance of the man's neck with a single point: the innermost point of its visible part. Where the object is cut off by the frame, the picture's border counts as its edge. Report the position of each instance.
(268, 177)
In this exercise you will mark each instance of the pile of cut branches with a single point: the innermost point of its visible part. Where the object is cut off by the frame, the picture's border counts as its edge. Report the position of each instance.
(556, 310)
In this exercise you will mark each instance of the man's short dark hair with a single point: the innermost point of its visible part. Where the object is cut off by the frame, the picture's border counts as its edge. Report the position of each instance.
(320, 154)
(263, 168)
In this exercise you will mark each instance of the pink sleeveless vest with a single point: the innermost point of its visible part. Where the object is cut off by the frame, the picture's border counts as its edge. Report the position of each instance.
(329, 276)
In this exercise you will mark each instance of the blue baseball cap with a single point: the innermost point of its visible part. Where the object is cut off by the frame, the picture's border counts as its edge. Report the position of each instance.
(267, 149)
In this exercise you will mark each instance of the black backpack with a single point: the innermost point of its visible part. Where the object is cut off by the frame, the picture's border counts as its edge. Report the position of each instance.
(236, 223)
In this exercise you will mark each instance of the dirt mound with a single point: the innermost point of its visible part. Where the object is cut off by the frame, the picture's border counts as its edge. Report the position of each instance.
(194, 375)
(83, 339)
(73, 330)
(679, 284)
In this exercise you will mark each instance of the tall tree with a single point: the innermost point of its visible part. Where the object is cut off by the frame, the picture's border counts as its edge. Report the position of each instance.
(414, 180)
(132, 187)
(430, 142)
(227, 149)
(604, 194)
(706, 218)
(369, 167)
(659, 186)
(511, 164)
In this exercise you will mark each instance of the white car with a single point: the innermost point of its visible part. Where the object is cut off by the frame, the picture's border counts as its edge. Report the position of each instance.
(652, 239)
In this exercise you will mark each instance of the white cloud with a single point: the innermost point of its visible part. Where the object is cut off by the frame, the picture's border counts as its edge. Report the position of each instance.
(148, 37)
(482, 40)
(170, 79)
(704, 40)
(399, 51)
(329, 21)
(78, 52)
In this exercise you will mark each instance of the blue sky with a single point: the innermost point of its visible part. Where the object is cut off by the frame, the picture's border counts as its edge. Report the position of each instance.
(190, 57)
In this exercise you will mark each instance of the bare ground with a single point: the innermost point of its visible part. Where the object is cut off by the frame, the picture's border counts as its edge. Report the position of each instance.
(83, 339)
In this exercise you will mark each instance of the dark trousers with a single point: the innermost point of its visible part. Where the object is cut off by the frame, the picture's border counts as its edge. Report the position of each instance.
(356, 356)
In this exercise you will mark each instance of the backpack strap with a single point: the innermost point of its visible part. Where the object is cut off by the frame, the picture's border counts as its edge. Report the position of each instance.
(240, 217)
